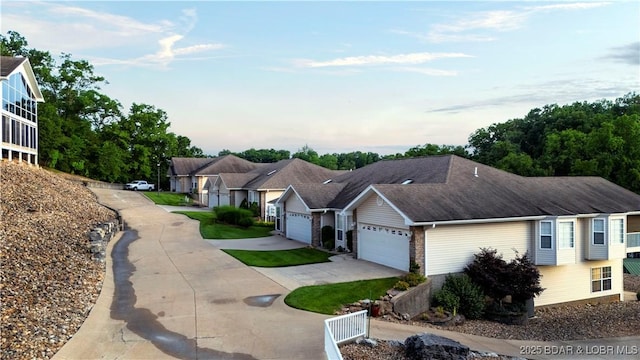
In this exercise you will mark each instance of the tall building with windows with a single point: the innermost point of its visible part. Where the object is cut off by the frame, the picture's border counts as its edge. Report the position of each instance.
(20, 98)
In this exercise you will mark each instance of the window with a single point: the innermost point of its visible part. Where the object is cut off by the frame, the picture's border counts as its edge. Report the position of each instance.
(340, 227)
(598, 231)
(617, 231)
(546, 234)
(601, 279)
(566, 235)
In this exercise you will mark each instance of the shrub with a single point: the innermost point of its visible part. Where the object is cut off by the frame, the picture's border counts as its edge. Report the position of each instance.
(232, 215)
(328, 237)
(350, 240)
(267, 224)
(414, 268)
(470, 296)
(245, 222)
(401, 285)
(446, 299)
(414, 279)
(255, 209)
(519, 278)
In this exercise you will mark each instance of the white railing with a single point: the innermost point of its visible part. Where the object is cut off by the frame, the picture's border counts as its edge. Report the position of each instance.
(633, 239)
(344, 328)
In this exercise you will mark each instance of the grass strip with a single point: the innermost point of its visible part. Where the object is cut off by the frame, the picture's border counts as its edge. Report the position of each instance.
(329, 298)
(280, 258)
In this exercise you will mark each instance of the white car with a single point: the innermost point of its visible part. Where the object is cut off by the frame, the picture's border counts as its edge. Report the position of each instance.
(139, 185)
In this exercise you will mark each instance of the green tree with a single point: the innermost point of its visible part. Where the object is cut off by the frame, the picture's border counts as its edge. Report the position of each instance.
(306, 153)
(329, 161)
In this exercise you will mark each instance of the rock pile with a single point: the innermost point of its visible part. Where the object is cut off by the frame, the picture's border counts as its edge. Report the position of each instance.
(48, 279)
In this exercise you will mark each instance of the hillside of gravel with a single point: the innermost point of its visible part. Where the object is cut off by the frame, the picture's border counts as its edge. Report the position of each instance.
(48, 281)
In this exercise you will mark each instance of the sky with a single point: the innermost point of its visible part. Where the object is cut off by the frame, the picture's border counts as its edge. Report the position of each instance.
(337, 76)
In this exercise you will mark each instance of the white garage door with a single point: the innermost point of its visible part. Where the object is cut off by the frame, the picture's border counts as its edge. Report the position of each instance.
(299, 227)
(384, 245)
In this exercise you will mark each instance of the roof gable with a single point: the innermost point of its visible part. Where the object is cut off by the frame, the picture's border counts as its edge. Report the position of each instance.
(181, 166)
(421, 170)
(279, 175)
(10, 65)
(227, 164)
(235, 180)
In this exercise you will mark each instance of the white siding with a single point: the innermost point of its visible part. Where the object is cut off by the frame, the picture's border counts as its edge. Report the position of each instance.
(384, 215)
(451, 248)
(238, 197)
(617, 250)
(573, 282)
(294, 204)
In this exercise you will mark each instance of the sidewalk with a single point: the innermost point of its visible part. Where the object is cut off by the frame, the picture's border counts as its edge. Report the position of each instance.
(614, 348)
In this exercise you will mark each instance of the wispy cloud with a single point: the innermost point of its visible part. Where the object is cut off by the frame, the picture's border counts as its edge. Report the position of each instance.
(568, 6)
(561, 91)
(412, 58)
(158, 43)
(628, 54)
(428, 71)
(481, 26)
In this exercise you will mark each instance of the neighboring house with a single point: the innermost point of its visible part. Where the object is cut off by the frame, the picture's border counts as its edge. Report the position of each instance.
(20, 98)
(189, 175)
(265, 184)
(439, 211)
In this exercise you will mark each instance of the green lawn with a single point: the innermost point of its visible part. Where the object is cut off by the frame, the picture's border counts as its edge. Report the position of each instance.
(329, 298)
(280, 258)
(168, 198)
(211, 230)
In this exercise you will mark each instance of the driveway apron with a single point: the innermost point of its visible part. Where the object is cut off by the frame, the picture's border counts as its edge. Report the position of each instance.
(168, 294)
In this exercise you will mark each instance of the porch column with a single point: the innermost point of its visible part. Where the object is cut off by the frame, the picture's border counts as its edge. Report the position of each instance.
(354, 235)
(416, 247)
(316, 229)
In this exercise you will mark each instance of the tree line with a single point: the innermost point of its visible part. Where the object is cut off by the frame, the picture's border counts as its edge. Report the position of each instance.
(83, 131)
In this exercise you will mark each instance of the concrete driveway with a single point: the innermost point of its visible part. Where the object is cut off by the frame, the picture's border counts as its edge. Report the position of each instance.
(168, 294)
(342, 268)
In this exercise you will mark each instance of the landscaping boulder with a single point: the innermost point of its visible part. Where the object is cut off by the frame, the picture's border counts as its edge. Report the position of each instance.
(428, 346)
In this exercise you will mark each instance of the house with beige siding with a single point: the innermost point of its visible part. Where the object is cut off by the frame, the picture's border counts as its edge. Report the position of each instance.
(189, 175)
(439, 211)
(264, 184)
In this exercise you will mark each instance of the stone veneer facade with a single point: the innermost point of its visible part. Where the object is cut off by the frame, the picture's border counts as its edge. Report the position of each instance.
(316, 231)
(416, 248)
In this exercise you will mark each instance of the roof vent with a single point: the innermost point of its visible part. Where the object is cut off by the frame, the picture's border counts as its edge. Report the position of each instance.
(475, 172)
(408, 181)
(327, 181)
(271, 172)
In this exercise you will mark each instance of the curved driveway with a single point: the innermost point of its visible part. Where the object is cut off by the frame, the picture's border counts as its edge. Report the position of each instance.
(176, 296)
(168, 294)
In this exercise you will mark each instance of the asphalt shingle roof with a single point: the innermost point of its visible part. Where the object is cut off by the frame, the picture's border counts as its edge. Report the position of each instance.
(447, 188)
(227, 164)
(279, 175)
(9, 63)
(181, 166)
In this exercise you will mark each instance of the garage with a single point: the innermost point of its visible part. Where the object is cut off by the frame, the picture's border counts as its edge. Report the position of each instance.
(384, 245)
(299, 227)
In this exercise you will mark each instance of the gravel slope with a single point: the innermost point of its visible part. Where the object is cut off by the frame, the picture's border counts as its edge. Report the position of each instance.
(48, 282)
